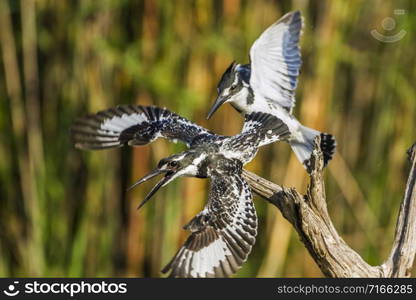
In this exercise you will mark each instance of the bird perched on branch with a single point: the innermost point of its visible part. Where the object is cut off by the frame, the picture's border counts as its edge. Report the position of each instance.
(268, 85)
(223, 233)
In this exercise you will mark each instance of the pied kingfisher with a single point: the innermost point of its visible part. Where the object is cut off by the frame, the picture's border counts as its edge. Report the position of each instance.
(268, 85)
(223, 233)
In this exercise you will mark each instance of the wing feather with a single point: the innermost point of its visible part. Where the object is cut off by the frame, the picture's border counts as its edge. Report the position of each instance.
(259, 129)
(133, 125)
(276, 60)
(218, 249)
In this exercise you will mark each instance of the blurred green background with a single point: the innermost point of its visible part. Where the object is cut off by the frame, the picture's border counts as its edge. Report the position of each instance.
(64, 212)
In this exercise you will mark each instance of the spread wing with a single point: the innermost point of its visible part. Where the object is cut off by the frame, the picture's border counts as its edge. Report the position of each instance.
(133, 125)
(222, 234)
(276, 59)
(259, 129)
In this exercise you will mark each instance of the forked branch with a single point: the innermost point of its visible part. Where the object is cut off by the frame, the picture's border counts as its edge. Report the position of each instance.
(309, 216)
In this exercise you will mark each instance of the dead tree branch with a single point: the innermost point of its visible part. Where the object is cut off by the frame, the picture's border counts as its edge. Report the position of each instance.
(309, 216)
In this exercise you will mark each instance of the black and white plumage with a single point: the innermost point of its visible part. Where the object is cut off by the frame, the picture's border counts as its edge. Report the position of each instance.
(223, 233)
(137, 125)
(269, 82)
(133, 125)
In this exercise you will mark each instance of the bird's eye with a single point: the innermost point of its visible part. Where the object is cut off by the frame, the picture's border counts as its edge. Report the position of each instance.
(233, 87)
(173, 164)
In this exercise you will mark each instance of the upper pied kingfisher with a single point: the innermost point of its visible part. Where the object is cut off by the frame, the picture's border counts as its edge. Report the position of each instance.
(268, 85)
(223, 233)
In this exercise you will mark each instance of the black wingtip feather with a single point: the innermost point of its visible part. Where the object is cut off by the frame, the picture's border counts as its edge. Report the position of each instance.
(291, 18)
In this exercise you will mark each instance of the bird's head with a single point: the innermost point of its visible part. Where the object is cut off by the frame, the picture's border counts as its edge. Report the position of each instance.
(187, 163)
(232, 86)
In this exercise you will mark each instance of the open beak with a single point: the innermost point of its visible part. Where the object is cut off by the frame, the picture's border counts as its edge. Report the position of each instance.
(220, 101)
(165, 180)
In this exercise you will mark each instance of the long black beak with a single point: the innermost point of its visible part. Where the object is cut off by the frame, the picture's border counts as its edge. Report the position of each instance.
(152, 174)
(161, 183)
(218, 102)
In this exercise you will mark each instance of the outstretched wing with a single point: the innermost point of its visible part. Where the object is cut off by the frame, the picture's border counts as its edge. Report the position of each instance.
(222, 234)
(259, 129)
(276, 59)
(133, 125)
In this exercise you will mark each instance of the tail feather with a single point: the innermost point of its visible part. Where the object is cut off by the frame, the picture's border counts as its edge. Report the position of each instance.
(303, 149)
(328, 145)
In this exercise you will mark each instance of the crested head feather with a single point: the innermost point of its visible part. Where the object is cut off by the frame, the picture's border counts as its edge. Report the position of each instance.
(228, 77)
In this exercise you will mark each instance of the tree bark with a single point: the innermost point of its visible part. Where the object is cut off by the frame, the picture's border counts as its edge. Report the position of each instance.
(309, 216)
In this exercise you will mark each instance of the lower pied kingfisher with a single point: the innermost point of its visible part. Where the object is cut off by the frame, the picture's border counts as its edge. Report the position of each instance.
(223, 233)
(268, 85)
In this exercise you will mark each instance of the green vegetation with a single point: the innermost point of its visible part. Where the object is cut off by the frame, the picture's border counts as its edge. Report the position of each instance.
(67, 213)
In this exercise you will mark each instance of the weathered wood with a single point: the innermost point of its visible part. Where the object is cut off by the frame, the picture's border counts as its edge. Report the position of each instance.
(402, 254)
(309, 216)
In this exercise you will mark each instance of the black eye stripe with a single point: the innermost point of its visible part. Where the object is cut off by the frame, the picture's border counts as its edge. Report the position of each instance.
(161, 163)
